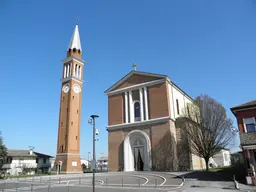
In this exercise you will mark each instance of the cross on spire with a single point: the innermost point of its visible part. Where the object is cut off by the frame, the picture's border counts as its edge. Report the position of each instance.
(77, 20)
(134, 66)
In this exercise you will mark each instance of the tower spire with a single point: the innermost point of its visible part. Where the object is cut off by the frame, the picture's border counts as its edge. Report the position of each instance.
(75, 40)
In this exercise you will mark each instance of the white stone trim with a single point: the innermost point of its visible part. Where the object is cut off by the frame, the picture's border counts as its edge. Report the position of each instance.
(80, 61)
(245, 130)
(139, 123)
(131, 107)
(128, 155)
(141, 105)
(146, 103)
(69, 78)
(134, 87)
(126, 107)
(65, 69)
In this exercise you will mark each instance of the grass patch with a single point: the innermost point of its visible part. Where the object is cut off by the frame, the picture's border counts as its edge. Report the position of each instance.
(25, 176)
(227, 173)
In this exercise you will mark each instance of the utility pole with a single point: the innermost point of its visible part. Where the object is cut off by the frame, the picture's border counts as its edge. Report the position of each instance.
(94, 158)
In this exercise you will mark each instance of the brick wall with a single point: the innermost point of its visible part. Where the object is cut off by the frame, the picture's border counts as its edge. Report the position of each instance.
(158, 101)
(115, 109)
(115, 150)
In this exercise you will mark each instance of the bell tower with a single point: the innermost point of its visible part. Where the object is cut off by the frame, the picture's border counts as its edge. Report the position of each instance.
(68, 145)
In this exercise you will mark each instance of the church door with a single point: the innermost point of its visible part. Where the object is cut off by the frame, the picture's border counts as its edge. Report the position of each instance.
(138, 158)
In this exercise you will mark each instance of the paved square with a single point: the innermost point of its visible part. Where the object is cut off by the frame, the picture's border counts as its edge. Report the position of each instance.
(133, 181)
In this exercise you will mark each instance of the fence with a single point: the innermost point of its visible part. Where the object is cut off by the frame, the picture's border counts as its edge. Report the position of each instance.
(72, 183)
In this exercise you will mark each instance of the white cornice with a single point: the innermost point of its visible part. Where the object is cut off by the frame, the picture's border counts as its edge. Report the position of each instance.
(73, 78)
(249, 147)
(139, 123)
(134, 87)
(82, 62)
(134, 73)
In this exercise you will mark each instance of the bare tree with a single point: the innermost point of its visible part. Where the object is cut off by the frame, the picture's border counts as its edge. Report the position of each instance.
(207, 127)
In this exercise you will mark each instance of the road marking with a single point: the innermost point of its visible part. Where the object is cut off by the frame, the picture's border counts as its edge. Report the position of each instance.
(101, 182)
(158, 176)
(142, 178)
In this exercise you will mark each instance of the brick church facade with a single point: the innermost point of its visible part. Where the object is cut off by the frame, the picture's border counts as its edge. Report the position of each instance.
(142, 133)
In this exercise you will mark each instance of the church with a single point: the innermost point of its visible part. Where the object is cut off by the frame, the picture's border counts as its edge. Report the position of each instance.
(142, 112)
(142, 131)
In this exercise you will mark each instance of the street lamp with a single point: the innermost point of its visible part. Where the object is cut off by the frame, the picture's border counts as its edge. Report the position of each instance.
(88, 156)
(94, 159)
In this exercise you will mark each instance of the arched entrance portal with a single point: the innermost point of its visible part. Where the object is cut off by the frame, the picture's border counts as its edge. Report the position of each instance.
(137, 151)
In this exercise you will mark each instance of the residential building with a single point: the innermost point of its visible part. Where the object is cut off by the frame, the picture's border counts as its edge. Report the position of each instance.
(68, 144)
(221, 159)
(102, 164)
(237, 158)
(86, 162)
(26, 162)
(246, 120)
(142, 135)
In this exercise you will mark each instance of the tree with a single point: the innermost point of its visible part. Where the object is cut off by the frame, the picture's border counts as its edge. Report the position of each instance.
(207, 128)
(84, 167)
(3, 149)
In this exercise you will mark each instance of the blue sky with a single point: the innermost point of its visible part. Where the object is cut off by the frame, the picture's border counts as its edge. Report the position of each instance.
(204, 46)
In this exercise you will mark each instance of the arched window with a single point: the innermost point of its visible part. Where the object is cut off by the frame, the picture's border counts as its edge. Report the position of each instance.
(137, 142)
(75, 70)
(79, 72)
(65, 70)
(137, 111)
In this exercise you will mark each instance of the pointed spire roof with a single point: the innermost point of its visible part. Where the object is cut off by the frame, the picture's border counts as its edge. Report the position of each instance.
(75, 40)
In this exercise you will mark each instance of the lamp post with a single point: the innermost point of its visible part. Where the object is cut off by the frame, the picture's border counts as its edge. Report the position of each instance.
(94, 159)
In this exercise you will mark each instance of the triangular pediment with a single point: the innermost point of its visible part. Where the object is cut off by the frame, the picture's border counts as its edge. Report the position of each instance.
(135, 78)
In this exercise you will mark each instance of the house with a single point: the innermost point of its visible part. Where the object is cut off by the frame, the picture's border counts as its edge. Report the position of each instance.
(246, 120)
(221, 159)
(237, 158)
(26, 162)
(86, 162)
(142, 133)
(102, 164)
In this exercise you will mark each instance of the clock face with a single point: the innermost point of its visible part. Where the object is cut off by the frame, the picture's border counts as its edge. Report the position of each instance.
(65, 88)
(76, 88)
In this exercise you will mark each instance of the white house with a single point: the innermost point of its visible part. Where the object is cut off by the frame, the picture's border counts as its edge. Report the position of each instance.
(102, 163)
(221, 159)
(85, 161)
(26, 161)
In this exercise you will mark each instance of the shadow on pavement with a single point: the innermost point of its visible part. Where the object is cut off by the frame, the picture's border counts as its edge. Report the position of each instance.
(219, 174)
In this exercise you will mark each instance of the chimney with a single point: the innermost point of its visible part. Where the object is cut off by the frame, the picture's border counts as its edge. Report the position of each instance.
(31, 149)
